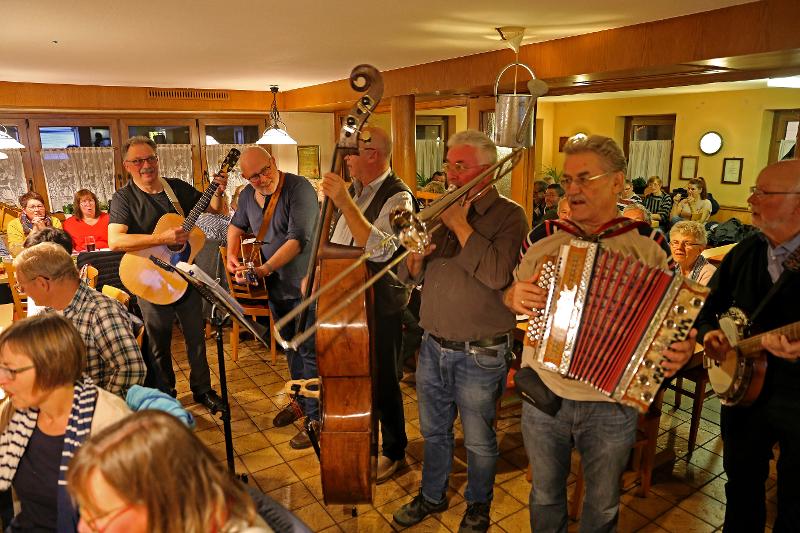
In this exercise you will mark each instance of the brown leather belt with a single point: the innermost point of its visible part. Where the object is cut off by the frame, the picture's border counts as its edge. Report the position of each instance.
(479, 346)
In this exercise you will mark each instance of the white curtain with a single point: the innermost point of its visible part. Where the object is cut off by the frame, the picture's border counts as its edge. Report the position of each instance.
(68, 169)
(12, 177)
(215, 154)
(649, 158)
(785, 147)
(175, 161)
(430, 155)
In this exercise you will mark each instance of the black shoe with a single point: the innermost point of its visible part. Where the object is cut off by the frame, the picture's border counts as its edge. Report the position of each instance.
(211, 400)
(476, 519)
(288, 414)
(416, 510)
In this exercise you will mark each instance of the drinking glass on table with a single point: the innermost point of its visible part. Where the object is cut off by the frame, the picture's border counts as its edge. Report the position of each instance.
(89, 243)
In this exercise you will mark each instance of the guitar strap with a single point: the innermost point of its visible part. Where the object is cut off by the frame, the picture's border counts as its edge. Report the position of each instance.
(791, 267)
(172, 198)
(273, 203)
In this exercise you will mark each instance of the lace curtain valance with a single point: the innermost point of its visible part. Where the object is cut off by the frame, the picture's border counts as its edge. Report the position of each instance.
(175, 161)
(68, 169)
(649, 158)
(215, 153)
(12, 177)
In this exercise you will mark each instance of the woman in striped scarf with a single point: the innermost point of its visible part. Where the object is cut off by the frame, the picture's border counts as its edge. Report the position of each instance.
(47, 413)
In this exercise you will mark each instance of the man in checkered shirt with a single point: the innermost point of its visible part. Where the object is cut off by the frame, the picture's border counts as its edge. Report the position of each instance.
(47, 274)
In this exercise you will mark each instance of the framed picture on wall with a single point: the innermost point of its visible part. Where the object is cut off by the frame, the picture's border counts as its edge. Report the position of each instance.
(308, 161)
(689, 167)
(732, 170)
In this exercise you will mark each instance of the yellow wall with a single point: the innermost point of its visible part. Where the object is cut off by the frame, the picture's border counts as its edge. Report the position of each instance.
(459, 112)
(743, 118)
(306, 128)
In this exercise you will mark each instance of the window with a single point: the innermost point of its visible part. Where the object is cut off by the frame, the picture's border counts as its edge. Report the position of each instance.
(648, 146)
(74, 136)
(783, 144)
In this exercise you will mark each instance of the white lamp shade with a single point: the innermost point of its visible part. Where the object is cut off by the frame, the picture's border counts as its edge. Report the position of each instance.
(275, 135)
(3, 156)
(7, 141)
(210, 140)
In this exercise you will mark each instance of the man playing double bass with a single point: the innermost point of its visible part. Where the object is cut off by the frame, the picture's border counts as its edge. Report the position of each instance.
(364, 221)
(761, 276)
(285, 252)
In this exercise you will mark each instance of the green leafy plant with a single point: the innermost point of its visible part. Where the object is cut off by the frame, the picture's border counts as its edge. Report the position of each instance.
(103, 206)
(551, 172)
(421, 181)
(68, 209)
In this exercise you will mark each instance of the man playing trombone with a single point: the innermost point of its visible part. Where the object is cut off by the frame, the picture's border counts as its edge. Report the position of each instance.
(363, 220)
(462, 360)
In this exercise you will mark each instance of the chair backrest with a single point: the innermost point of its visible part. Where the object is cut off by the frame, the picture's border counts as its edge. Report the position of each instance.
(118, 294)
(90, 274)
(241, 291)
(20, 298)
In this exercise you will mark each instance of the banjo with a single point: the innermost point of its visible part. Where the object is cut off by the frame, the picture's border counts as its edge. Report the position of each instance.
(738, 379)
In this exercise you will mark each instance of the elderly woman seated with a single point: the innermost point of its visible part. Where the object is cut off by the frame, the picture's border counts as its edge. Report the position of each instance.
(34, 217)
(148, 473)
(687, 240)
(47, 414)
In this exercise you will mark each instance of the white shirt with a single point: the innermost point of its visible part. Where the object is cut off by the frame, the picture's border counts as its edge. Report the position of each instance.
(381, 228)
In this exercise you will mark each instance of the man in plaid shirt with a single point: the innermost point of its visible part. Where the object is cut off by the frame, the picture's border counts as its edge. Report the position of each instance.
(47, 274)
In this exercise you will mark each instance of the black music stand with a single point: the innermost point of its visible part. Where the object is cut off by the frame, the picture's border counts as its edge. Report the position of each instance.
(223, 306)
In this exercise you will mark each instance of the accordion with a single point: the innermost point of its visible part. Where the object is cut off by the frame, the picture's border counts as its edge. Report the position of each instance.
(608, 319)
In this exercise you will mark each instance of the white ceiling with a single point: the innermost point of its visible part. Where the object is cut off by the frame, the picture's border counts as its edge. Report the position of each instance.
(250, 44)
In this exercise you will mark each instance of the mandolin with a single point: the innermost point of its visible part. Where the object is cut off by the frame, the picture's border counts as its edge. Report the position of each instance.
(738, 379)
(143, 278)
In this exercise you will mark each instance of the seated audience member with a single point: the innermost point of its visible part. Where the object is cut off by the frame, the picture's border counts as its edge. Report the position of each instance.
(694, 206)
(88, 225)
(563, 209)
(47, 274)
(58, 236)
(48, 412)
(33, 217)
(437, 184)
(552, 195)
(637, 212)
(149, 474)
(539, 206)
(688, 240)
(709, 196)
(657, 202)
(627, 196)
(215, 225)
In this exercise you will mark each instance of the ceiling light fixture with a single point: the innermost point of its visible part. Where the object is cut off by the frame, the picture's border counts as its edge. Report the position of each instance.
(210, 140)
(7, 141)
(3, 156)
(792, 82)
(275, 134)
(512, 35)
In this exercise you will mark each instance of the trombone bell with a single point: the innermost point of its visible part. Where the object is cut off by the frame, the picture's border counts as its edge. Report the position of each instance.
(410, 230)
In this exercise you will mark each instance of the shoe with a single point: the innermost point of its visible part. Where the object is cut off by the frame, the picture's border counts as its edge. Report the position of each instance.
(476, 519)
(211, 401)
(288, 414)
(300, 441)
(387, 468)
(417, 509)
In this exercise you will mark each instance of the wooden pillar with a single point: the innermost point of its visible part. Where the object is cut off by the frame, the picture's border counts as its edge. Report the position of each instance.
(404, 149)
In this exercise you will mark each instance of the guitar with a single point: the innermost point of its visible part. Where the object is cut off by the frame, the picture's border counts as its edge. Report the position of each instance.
(143, 278)
(738, 379)
(250, 252)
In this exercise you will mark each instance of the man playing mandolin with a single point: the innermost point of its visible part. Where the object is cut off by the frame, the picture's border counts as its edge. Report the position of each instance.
(761, 277)
(135, 211)
(286, 205)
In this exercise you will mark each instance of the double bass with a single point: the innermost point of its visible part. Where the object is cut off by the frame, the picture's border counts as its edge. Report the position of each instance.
(345, 355)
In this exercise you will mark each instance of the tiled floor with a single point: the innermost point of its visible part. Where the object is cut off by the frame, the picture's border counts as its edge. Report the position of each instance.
(688, 498)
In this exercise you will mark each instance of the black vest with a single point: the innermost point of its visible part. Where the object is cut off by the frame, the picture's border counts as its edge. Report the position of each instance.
(391, 296)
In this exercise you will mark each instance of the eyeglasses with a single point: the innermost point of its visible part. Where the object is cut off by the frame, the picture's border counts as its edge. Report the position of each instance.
(684, 244)
(755, 191)
(259, 173)
(10, 374)
(35, 207)
(141, 161)
(108, 518)
(18, 284)
(458, 168)
(581, 181)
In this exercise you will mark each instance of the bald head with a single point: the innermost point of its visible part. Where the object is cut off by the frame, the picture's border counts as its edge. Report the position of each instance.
(258, 167)
(374, 152)
(372, 137)
(777, 215)
(255, 154)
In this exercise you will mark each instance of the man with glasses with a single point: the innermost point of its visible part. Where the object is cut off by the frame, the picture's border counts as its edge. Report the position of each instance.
(46, 273)
(363, 220)
(602, 430)
(135, 211)
(761, 276)
(467, 340)
(285, 253)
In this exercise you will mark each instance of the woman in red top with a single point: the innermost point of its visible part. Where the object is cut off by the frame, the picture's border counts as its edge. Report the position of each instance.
(88, 221)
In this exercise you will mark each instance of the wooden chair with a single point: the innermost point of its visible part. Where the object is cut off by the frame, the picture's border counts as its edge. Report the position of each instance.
(20, 298)
(254, 303)
(90, 275)
(695, 372)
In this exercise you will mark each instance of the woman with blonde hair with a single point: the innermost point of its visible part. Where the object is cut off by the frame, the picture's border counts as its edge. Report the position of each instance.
(148, 473)
(47, 413)
(695, 207)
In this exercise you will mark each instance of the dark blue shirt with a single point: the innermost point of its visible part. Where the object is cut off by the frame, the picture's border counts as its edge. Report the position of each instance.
(295, 218)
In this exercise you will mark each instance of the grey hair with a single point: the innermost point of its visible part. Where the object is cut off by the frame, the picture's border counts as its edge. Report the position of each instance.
(487, 150)
(689, 227)
(46, 259)
(639, 207)
(605, 148)
(138, 139)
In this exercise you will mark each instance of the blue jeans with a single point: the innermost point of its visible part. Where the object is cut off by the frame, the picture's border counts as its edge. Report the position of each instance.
(303, 362)
(603, 433)
(451, 382)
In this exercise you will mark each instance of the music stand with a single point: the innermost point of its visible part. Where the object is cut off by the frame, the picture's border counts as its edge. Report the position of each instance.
(219, 300)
